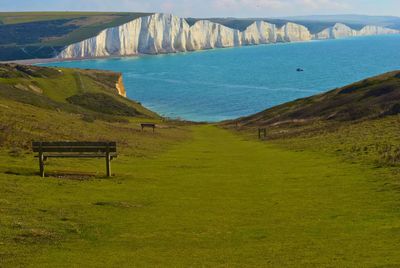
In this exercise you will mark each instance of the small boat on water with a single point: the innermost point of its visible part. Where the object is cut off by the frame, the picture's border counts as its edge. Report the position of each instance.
(300, 70)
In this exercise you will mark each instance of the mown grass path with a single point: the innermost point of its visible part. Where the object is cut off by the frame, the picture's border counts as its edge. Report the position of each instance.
(215, 201)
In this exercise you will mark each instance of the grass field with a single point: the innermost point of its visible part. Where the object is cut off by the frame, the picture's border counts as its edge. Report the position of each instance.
(216, 199)
(315, 193)
(87, 93)
(359, 121)
(24, 17)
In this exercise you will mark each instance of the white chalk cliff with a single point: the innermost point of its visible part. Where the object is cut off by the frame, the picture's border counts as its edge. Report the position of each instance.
(163, 33)
(340, 30)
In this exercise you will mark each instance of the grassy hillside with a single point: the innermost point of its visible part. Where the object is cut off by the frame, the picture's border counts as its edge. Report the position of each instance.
(188, 195)
(361, 120)
(27, 35)
(86, 95)
(370, 98)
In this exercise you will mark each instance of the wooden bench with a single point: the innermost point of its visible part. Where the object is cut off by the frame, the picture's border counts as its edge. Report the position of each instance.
(148, 125)
(262, 133)
(65, 149)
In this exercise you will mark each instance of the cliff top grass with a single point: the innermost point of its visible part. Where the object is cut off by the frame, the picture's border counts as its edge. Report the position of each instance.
(87, 92)
(43, 34)
(361, 119)
(24, 17)
(212, 199)
(189, 195)
(367, 99)
(42, 103)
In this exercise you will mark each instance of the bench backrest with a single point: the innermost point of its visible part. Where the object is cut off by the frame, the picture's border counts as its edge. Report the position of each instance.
(148, 125)
(74, 147)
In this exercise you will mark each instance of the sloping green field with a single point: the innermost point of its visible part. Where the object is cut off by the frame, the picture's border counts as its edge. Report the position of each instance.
(214, 200)
(30, 35)
(316, 193)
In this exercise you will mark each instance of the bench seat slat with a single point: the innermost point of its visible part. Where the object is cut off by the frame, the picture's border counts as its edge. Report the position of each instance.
(74, 149)
(65, 146)
(73, 143)
(71, 146)
(77, 156)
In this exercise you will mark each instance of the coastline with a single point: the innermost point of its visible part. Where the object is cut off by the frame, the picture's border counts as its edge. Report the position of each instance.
(50, 60)
(205, 80)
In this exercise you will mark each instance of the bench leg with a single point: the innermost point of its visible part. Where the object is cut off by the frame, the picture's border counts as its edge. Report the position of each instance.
(41, 165)
(108, 165)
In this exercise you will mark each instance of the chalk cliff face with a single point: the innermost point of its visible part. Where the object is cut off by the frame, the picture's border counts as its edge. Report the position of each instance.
(376, 30)
(259, 32)
(292, 32)
(340, 30)
(163, 33)
(206, 35)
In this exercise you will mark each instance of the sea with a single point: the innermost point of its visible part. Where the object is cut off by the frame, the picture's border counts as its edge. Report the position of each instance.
(221, 84)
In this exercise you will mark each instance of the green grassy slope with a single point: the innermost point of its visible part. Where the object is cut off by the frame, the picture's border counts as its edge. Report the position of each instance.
(199, 196)
(213, 200)
(42, 34)
(66, 104)
(89, 93)
(361, 120)
(84, 18)
(371, 98)
(41, 103)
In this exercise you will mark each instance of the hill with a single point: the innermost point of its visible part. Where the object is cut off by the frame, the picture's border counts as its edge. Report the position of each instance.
(197, 195)
(92, 92)
(27, 35)
(371, 98)
(87, 95)
(359, 122)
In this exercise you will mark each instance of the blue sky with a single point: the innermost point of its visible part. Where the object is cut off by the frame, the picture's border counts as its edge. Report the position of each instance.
(214, 8)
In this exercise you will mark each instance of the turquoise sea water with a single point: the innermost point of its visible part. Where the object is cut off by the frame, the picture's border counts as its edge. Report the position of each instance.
(227, 83)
